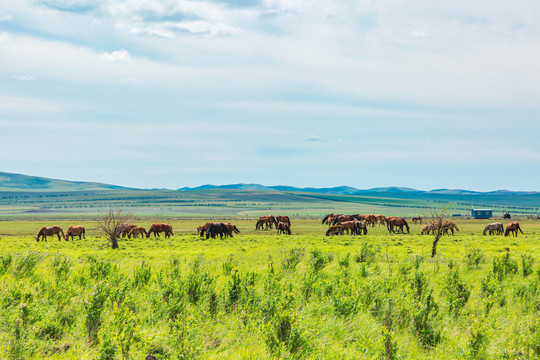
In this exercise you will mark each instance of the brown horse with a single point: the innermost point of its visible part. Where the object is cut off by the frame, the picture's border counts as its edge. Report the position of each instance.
(267, 221)
(381, 219)
(284, 219)
(328, 219)
(370, 220)
(512, 227)
(124, 229)
(48, 231)
(232, 228)
(334, 230)
(157, 228)
(448, 226)
(136, 231)
(283, 228)
(398, 223)
(427, 229)
(360, 227)
(75, 231)
(202, 229)
(417, 220)
(349, 226)
(342, 218)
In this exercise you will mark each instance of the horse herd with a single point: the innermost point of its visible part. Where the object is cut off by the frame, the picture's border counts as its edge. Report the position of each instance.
(121, 230)
(338, 224)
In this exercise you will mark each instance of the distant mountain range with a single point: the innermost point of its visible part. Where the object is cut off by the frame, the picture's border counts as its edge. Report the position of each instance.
(18, 182)
(348, 190)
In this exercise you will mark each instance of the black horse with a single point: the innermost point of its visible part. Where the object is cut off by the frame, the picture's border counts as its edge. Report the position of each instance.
(216, 229)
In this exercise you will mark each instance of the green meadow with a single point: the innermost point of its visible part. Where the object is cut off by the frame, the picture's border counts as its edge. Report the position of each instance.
(263, 295)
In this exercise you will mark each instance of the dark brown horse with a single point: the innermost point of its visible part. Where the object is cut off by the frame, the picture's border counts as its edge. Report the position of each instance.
(334, 230)
(136, 231)
(342, 218)
(158, 228)
(48, 231)
(360, 227)
(202, 229)
(267, 221)
(512, 227)
(75, 231)
(328, 219)
(417, 220)
(398, 223)
(283, 228)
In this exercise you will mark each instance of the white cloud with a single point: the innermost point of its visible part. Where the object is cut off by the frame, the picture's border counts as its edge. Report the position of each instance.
(25, 77)
(5, 37)
(118, 56)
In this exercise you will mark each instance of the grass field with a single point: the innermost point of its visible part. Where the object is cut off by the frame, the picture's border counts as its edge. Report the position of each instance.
(244, 203)
(259, 295)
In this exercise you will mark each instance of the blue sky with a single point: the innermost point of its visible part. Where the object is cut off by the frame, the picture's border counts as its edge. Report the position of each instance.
(149, 93)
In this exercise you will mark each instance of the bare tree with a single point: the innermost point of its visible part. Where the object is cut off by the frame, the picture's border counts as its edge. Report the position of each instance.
(110, 225)
(437, 228)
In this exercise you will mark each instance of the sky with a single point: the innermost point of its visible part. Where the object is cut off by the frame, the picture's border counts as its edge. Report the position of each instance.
(366, 93)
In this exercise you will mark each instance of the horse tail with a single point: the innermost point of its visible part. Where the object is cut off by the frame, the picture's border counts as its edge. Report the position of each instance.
(406, 225)
(519, 228)
(236, 229)
(325, 218)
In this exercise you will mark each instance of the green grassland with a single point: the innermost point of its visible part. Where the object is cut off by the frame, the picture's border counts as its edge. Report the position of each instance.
(263, 295)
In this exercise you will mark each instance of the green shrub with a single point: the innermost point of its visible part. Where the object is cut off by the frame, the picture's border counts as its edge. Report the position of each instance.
(141, 275)
(474, 258)
(456, 291)
(527, 262)
(295, 256)
(25, 264)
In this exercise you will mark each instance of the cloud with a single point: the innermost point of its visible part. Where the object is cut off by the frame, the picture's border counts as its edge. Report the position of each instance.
(25, 77)
(315, 138)
(5, 37)
(118, 56)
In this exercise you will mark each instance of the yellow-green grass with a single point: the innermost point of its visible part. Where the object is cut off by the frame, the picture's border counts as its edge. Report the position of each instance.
(244, 330)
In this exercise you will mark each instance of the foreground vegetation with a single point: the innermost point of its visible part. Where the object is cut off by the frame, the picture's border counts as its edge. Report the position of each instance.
(259, 295)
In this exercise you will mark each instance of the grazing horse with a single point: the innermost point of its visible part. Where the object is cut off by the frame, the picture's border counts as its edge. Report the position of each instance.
(512, 227)
(342, 218)
(334, 230)
(370, 220)
(232, 228)
(494, 228)
(124, 229)
(417, 219)
(48, 231)
(349, 226)
(201, 230)
(284, 219)
(75, 231)
(360, 227)
(427, 229)
(448, 226)
(215, 229)
(136, 231)
(283, 227)
(157, 228)
(328, 219)
(267, 221)
(398, 222)
(381, 219)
